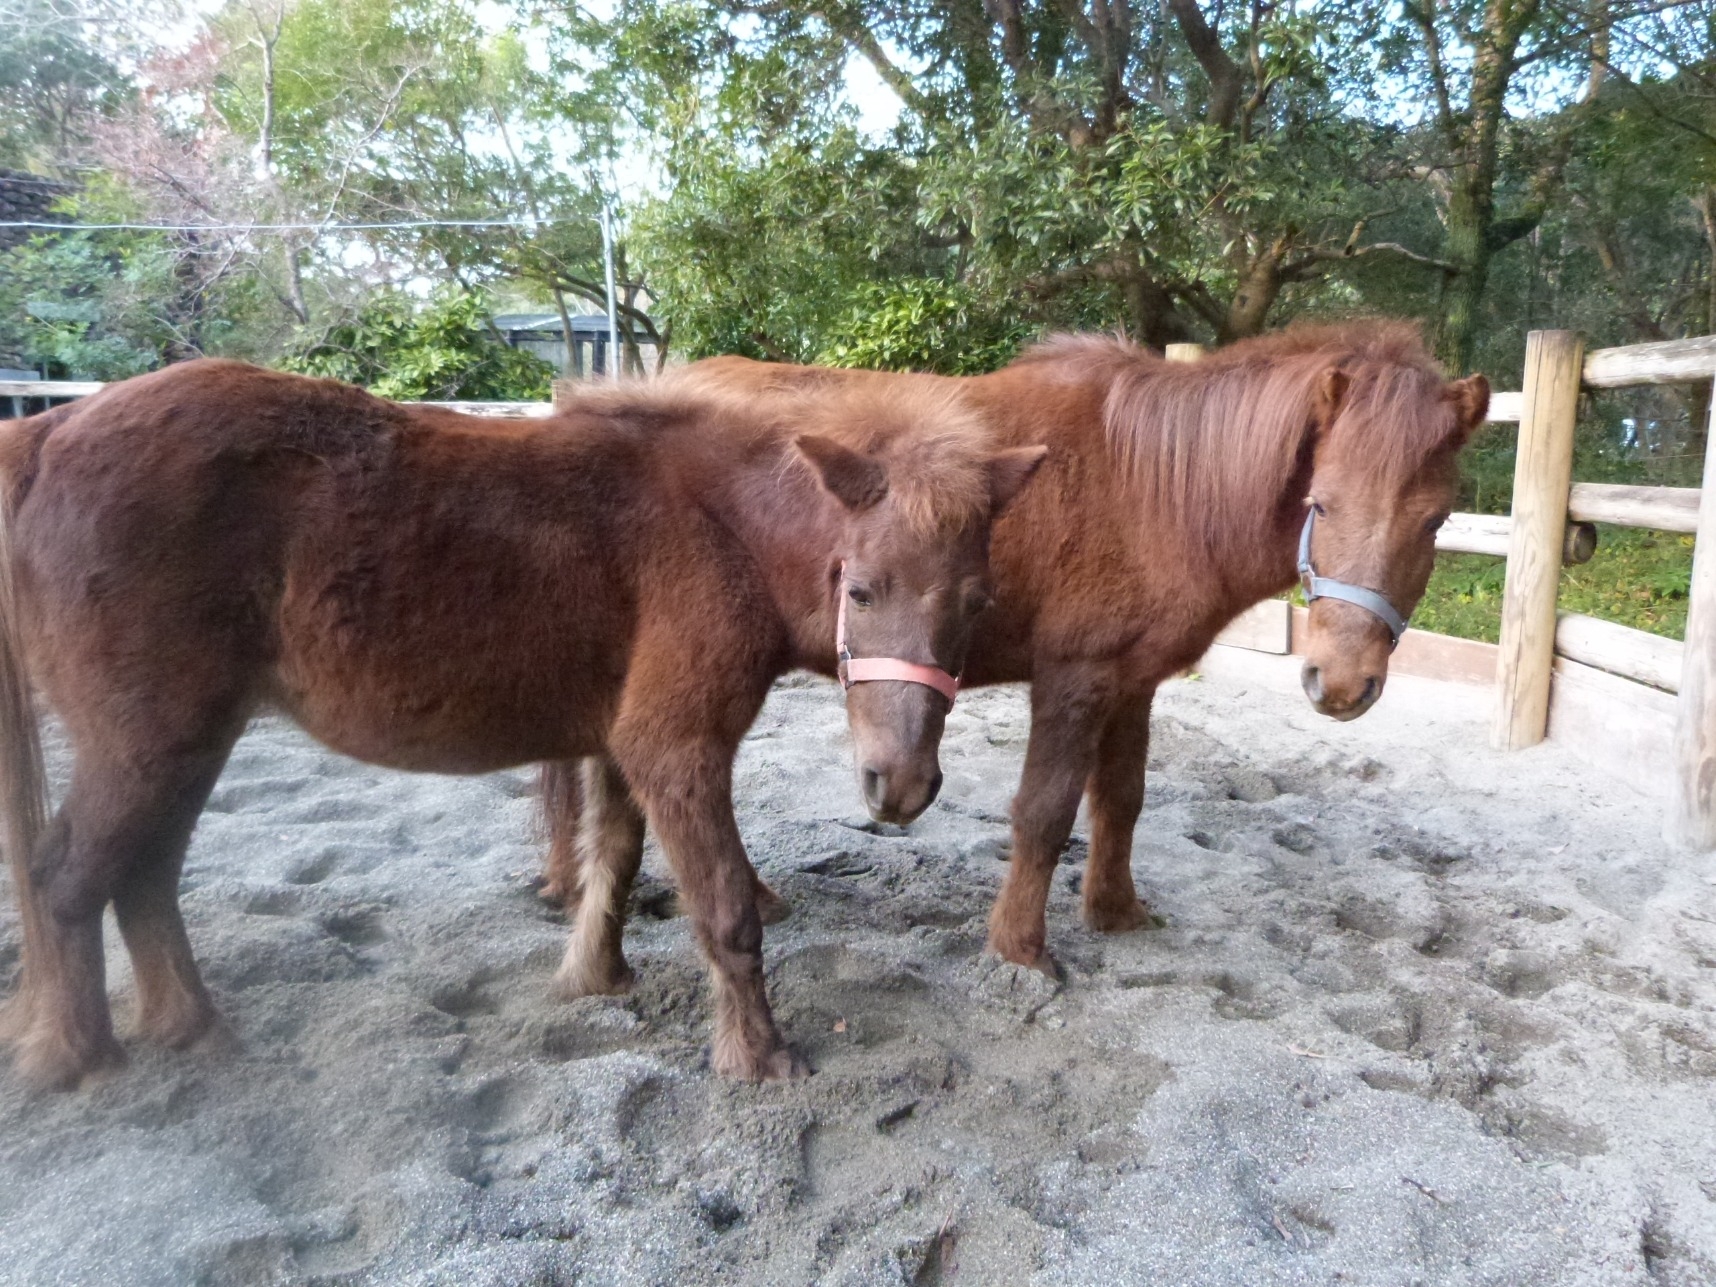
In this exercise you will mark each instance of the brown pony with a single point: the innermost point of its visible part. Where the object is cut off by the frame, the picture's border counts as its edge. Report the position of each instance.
(1174, 497)
(433, 592)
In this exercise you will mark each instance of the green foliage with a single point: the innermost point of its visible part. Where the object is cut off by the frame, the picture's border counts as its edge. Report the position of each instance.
(1639, 579)
(439, 351)
(924, 325)
(51, 83)
(104, 305)
(83, 304)
(764, 255)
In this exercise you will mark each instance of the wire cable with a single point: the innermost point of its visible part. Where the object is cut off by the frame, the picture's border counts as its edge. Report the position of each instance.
(49, 226)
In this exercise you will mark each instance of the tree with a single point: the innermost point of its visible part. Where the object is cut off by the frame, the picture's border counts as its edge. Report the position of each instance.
(1087, 164)
(443, 351)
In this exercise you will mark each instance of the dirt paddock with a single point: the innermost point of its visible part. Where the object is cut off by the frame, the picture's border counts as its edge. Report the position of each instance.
(1421, 1014)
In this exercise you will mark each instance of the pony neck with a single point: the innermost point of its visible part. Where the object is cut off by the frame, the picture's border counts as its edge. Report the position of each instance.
(775, 509)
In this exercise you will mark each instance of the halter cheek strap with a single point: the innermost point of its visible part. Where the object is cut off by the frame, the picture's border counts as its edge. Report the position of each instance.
(863, 670)
(1323, 587)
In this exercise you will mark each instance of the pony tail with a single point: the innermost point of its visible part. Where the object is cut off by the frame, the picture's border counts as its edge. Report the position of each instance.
(561, 801)
(23, 783)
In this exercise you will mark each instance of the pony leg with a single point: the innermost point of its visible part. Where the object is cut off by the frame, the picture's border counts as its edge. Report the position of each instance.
(562, 806)
(771, 907)
(687, 793)
(610, 851)
(1069, 708)
(174, 1008)
(1111, 902)
(58, 1021)
(115, 821)
(120, 836)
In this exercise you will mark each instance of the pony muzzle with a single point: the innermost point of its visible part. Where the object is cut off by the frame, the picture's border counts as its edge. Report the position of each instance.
(1346, 660)
(896, 731)
(1341, 697)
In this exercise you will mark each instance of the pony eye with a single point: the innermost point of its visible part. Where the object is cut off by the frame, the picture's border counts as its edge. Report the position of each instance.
(977, 601)
(859, 597)
(1317, 506)
(1435, 524)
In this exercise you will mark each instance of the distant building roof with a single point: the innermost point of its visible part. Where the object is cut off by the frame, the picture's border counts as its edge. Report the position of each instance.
(27, 197)
(550, 322)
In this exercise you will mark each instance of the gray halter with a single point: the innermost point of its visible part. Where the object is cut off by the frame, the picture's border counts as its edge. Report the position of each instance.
(1323, 587)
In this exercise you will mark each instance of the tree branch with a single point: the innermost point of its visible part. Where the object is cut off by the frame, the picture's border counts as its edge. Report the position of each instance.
(1224, 74)
(855, 33)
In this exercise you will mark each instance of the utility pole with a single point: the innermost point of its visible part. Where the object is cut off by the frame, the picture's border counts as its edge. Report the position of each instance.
(614, 362)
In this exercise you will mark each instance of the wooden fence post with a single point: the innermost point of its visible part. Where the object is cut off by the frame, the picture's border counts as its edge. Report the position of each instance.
(1692, 798)
(1542, 474)
(1184, 352)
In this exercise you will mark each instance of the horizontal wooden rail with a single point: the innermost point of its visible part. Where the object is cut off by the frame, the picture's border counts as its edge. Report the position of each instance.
(83, 389)
(1505, 408)
(1489, 534)
(1664, 509)
(49, 388)
(1669, 362)
(509, 410)
(1620, 650)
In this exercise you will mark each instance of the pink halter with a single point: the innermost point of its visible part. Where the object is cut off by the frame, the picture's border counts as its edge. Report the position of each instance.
(862, 670)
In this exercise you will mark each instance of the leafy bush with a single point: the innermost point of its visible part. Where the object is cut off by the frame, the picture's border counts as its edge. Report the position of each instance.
(86, 305)
(921, 324)
(438, 351)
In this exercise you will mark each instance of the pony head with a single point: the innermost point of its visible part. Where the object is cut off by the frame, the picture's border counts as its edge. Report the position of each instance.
(911, 575)
(1384, 442)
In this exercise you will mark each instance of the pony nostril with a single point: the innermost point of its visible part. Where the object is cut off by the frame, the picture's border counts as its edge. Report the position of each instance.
(875, 787)
(934, 790)
(1372, 690)
(1312, 680)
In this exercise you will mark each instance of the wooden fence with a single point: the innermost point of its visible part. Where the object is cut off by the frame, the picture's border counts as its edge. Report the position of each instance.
(25, 397)
(1544, 499)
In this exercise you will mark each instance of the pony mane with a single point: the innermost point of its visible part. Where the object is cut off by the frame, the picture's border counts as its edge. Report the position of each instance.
(1210, 445)
(935, 448)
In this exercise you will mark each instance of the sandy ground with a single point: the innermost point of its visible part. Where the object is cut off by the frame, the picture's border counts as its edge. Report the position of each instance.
(1421, 1014)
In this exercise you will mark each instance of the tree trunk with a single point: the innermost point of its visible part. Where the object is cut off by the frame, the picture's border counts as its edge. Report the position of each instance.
(1470, 214)
(568, 340)
(1259, 288)
(1472, 202)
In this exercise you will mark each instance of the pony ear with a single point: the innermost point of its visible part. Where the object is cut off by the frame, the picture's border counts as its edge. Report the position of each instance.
(1471, 399)
(854, 480)
(1331, 392)
(1009, 471)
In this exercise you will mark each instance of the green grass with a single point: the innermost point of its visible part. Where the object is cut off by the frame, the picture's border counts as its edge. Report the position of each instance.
(1636, 578)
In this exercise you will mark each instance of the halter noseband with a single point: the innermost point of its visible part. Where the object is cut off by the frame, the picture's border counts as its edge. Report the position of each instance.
(1323, 587)
(862, 670)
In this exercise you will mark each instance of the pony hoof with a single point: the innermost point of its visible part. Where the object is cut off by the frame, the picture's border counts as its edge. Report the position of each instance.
(771, 907)
(218, 1040)
(17, 1019)
(783, 1063)
(1123, 919)
(1027, 956)
(192, 1027)
(557, 894)
(605, 980)
(55, 1067)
